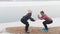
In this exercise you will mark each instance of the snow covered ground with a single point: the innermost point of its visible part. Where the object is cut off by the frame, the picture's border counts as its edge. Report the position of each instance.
(37, 23)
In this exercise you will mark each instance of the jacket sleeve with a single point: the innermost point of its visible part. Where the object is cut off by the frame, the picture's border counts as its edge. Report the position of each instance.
(40, 17)
(32, 19)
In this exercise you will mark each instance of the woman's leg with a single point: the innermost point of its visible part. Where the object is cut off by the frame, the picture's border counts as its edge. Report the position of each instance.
(27, 26)
(45, 25)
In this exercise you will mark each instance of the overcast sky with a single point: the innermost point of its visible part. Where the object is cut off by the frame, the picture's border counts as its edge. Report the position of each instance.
(29, 0)
(10, 14)
(36, 0)
(13, 11)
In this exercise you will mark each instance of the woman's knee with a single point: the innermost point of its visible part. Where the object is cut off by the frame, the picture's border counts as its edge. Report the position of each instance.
(51, 22)
(44, 22)
(27, 24)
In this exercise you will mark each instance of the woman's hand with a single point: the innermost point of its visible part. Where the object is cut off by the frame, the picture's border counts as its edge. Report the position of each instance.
(39, 17)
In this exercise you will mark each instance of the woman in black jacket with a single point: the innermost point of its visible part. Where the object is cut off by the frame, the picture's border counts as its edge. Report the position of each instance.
(25, 18)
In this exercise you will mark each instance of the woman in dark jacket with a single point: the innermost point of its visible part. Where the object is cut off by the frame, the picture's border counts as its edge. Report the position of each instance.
(25, 18)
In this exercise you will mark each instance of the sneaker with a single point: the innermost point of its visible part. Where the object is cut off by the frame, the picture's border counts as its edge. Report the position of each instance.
(45, 30)
(27, 31)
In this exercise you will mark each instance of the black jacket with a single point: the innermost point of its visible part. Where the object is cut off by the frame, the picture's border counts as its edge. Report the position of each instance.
(26, 17)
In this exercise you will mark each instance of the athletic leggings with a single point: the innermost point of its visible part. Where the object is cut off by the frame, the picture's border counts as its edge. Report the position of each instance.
(45, 24)
(26, 24)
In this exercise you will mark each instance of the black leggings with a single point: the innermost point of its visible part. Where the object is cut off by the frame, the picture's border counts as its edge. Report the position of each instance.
(45, 24)
(26, 24)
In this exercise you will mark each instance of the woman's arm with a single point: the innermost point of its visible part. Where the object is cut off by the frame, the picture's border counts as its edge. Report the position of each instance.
(32, 19)
(40, 17)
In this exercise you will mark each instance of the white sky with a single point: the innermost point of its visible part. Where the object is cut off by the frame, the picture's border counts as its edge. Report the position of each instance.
(29, 0)
(29, 3)
(13, 11)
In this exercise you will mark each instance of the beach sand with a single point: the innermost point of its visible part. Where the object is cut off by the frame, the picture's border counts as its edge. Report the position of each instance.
(33, 30)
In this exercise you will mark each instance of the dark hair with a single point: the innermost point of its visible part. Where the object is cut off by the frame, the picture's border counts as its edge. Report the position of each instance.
(42, 12)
